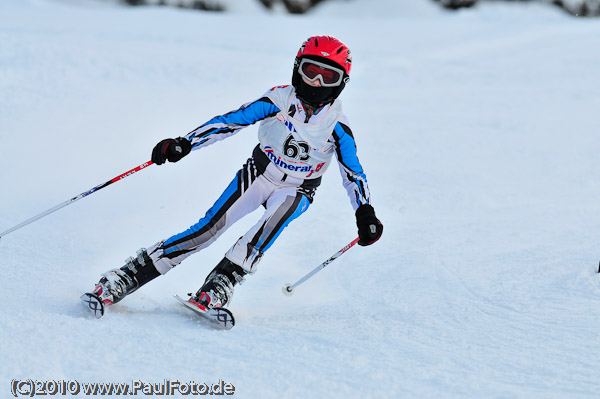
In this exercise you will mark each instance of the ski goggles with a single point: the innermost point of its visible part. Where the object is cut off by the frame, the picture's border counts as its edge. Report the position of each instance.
(328, 76)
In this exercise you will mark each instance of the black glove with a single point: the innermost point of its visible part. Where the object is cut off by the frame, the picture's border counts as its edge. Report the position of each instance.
(369, 227)
(171, 149)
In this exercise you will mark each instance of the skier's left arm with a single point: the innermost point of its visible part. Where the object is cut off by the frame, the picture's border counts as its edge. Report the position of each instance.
(355, 183)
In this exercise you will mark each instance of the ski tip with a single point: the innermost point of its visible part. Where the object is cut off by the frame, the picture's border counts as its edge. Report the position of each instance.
(93, 303)
(287, 290)
(598, 267)
(179, 299)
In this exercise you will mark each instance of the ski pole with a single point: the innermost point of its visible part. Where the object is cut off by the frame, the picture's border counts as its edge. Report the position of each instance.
(80, 196)
(288, 289)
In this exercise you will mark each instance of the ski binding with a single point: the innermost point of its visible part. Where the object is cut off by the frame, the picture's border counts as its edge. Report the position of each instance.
(219, 317)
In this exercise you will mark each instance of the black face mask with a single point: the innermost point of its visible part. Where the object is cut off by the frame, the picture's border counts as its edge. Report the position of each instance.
(314, 96)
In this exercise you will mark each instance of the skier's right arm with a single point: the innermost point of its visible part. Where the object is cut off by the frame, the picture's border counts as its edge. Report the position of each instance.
(216, 129)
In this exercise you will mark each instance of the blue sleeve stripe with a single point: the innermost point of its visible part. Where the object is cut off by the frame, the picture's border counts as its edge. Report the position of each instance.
(346, 150)
(248, 114)
(213, 131)
(232, 122)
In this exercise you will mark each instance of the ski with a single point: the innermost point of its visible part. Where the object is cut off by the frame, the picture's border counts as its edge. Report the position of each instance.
(93, 303)
(219, 317)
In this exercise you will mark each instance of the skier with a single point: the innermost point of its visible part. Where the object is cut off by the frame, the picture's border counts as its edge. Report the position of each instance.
(302, 127)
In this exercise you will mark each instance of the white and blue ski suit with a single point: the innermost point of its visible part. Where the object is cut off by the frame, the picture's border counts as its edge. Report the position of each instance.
(296, 147)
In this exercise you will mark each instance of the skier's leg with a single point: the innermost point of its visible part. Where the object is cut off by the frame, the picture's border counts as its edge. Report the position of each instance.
(282, 207)
(243, 195)
(246, 192)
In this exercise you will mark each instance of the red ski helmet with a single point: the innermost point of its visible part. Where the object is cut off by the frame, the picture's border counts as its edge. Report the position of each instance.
(327, 47)
(327, 50)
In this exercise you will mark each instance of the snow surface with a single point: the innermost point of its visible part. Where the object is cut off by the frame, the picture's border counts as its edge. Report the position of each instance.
(479, 133)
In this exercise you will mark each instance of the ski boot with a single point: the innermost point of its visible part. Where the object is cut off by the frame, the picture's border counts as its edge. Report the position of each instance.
(217, 290)
(117, 283)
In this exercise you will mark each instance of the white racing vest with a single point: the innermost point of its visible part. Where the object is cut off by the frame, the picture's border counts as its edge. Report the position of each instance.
(298, 149)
